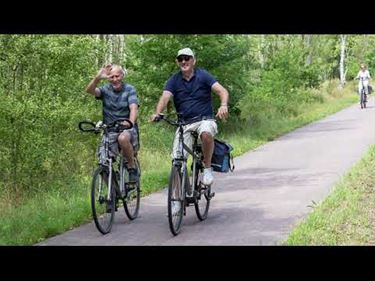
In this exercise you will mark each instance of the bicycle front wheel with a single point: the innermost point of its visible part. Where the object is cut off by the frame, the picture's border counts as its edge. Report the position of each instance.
(102, 205)
(176, 200)
(202, 204)
(133, 193)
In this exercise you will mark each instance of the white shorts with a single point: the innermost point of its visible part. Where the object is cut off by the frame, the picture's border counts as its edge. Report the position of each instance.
(208, 126)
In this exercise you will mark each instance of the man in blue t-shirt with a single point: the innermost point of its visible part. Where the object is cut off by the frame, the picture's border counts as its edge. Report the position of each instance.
(191, 91)
(120, 101)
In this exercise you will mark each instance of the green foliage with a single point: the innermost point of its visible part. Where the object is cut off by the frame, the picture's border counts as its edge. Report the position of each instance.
(43, 77)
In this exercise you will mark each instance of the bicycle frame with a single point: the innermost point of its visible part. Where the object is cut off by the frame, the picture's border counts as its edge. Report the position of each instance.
(180, 159)
(111, 178)
(186, 192)
(183, 146)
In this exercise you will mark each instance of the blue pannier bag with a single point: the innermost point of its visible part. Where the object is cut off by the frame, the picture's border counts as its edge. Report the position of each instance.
(369, 89)
(221, 158)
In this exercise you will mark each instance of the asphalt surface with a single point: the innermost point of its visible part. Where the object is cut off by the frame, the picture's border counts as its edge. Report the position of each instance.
(272, 188)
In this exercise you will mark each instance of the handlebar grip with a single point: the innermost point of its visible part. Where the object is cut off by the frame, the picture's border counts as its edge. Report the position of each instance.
(159, 117)
(121, 127)
(87, 123)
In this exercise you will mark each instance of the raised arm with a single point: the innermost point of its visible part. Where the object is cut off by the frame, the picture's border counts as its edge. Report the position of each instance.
(102, 74)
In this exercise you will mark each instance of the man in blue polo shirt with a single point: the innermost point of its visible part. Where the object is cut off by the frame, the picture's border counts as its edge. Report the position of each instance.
(120, 101)
(191, 91)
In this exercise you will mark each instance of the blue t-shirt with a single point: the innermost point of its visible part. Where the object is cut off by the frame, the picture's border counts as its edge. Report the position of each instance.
(192, 98)
(116, 104)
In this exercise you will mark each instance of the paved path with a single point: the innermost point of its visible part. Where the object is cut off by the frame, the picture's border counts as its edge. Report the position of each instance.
(269, 192)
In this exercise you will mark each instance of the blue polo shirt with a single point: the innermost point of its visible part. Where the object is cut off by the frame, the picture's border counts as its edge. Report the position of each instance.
(116, 104)
(192, 98)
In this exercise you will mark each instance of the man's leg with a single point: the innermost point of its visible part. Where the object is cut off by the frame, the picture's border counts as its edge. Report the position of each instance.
(127, 150)
(207, 131)
(126, 146)
(177, 150)
(207, 148)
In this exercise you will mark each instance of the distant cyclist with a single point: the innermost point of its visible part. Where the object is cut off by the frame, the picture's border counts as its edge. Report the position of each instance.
(120, 101)
(364, 77)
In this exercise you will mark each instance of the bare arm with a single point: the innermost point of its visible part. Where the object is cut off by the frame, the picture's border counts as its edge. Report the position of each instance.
(218, 89)
(163, 102)
(133, 112)
(92, 87)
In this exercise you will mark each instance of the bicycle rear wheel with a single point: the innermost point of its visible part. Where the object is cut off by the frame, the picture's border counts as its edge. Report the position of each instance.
(176, 200)
(202, 204)
(132, 199)
(103, 209)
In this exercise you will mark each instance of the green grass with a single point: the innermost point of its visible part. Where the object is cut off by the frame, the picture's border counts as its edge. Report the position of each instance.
(347, 215)
(30, 220)
(45, 214)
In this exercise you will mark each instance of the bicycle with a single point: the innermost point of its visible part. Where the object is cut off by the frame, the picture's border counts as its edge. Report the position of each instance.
(363, 96)
(110, 182)
(181, 192)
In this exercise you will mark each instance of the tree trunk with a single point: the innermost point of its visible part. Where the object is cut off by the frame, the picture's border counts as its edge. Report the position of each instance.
(261, 47)
(307, 46)
(122, 49)
(342, 60)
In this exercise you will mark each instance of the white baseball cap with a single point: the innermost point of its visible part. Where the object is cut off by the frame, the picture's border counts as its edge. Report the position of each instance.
(185, 51)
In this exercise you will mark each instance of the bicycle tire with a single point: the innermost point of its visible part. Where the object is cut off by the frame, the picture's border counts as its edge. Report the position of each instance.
(103, 211)
(363, 99)
(202, 202)
(133, 194)
(176, 193)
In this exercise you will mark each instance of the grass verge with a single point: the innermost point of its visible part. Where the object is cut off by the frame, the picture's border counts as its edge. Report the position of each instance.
(347, 215)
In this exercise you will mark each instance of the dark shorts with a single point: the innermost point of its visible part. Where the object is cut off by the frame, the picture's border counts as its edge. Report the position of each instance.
(113, 143)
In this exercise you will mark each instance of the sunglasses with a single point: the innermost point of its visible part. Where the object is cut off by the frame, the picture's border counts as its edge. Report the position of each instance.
(185, 58)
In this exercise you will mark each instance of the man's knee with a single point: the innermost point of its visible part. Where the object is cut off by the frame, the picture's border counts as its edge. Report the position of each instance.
(124, 138)
(206, 137)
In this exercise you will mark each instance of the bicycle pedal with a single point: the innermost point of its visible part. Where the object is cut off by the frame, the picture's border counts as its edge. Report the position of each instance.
(211, 195)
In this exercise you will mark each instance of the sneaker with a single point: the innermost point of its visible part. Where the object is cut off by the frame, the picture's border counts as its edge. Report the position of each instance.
(208, 178)
(176, 206)
(133, 175)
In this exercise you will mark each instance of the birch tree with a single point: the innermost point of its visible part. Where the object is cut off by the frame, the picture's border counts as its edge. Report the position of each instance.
(342, 60)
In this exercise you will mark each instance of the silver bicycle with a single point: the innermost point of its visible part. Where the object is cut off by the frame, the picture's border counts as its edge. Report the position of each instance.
(110, 183)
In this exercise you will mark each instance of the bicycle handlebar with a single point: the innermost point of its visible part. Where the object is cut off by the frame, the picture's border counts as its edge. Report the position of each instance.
(119, 127)
(175, 123)
(179, 121)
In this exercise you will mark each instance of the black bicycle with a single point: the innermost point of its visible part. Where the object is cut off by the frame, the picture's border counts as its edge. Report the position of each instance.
(181, 191)
(110, 183)
(363, 97)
